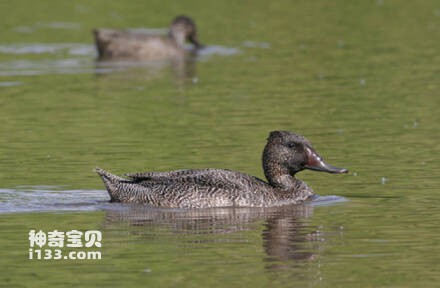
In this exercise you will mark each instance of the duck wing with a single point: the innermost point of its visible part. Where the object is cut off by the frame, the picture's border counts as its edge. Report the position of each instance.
(210, 177)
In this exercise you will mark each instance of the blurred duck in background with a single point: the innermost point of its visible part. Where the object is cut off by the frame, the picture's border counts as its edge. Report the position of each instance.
(130, 45)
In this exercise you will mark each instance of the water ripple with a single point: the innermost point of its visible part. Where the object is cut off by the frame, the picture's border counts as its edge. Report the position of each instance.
(51, 48)
(49, 198)
(77, 58)
(55, 198)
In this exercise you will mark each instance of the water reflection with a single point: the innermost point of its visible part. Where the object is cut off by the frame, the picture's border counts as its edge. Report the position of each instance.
(283, 239)
(285, 231)
(183, 68)
(79, 58)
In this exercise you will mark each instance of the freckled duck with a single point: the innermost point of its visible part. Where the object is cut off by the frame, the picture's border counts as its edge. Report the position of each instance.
(129, 45)
(285, 154)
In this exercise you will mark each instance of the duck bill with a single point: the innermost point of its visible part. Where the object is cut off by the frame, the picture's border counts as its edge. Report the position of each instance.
(198, 45)
(315, 162)
(194, 40)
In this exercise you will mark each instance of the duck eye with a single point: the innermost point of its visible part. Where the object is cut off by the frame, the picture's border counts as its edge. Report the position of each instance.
(291, 145)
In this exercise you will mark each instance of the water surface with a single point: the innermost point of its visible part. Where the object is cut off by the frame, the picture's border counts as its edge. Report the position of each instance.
(360, 80)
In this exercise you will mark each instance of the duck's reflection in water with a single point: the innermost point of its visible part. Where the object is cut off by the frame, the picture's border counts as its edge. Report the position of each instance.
(180, 69)
(285, 231)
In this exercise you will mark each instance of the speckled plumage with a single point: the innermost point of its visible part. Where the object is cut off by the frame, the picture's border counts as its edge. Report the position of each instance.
(284, 154)
(114, 44)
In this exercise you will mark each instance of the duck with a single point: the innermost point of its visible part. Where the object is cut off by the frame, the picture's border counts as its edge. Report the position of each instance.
(114, 44)
(285, 154)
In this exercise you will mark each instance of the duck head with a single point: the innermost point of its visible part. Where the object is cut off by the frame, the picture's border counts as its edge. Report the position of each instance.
(287, 153)
(184, 29)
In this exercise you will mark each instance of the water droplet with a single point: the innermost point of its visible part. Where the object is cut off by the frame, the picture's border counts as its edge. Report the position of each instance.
(195, 80)
(362, 82)
(383, 180)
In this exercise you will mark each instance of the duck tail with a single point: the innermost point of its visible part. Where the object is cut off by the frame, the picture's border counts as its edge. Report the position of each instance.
(100, 43)
(111, 182)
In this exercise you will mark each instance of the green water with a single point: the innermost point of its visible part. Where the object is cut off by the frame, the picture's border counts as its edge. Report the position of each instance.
(360, 79)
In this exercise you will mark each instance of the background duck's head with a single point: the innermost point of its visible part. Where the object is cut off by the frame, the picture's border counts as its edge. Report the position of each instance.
(289, 153)
(184, 29)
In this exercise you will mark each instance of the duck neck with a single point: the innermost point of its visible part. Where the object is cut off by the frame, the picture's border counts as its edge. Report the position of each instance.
(279, 177)
(178, 37)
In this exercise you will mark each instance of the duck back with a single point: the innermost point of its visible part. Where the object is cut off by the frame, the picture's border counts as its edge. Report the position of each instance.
(126, 45)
